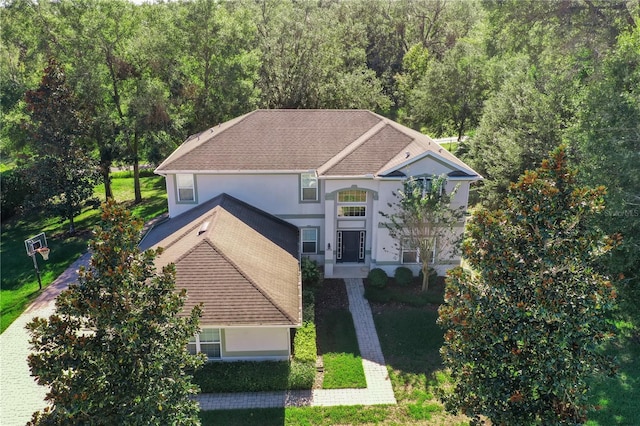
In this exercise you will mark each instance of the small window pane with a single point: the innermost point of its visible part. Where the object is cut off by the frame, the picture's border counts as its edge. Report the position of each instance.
(309, 194)
(352, 196)
(410, 256)
(185, 194)
(352, 211)
(212, 350)
(309, 234)
(309, 247)
(191, 348)
(210, 335)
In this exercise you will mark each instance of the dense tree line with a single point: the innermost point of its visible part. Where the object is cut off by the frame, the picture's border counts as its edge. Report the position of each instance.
(518, 77)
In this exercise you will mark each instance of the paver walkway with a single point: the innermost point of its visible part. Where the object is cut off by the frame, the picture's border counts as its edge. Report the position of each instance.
(20, 395)
(378, 391)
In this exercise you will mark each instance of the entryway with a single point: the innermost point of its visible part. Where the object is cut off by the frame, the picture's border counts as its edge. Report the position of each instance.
(350, 246)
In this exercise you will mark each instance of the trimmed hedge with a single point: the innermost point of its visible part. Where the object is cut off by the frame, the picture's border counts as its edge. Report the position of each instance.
(403, 276)
(250, 376)
(378, 278)
(304, 343)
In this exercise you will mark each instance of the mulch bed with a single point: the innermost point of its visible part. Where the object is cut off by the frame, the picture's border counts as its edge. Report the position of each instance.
(331, 295)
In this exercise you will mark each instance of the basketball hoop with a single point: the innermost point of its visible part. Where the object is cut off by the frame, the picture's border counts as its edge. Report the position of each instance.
(44, 251)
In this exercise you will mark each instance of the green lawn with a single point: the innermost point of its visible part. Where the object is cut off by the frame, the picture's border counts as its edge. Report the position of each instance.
(329, 416)
(19, 285)
(618, 398)
(338, 344)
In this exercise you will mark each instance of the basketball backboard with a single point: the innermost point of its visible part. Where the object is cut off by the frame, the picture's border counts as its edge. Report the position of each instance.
(34, 243)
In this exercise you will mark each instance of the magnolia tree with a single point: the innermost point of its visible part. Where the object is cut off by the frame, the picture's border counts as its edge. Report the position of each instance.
(423, 217)
(115, 350)
(525, 323)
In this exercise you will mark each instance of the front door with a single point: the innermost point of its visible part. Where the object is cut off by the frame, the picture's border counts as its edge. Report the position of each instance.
(350, 246)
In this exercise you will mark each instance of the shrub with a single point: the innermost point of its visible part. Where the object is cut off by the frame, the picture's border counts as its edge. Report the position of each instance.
(251, 376)
(403, 276)
(304, 343)
(376, 295)
(310, 272)
(377, 278)
(14, 188)
(302, 375)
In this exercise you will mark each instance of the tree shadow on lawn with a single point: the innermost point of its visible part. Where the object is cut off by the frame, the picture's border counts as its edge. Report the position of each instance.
(335, 332)
(410, 338)
(618, 398)
(250, 417)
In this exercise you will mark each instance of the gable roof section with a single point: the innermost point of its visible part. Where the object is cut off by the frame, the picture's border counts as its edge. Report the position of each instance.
(242, 277)
(332, 142)
(271, 140)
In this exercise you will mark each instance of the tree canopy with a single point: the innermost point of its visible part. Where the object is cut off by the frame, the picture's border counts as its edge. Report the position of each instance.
(524, 322)
(115, 350)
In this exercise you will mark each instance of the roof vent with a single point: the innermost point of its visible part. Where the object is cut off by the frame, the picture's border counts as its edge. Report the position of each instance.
(203, 228)
(407, 154)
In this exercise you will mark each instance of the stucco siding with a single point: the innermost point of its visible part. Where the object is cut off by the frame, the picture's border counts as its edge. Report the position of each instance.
(256, 343)
(278, 194)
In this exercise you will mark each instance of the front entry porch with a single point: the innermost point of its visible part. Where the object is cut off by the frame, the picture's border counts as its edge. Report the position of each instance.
(350, 271)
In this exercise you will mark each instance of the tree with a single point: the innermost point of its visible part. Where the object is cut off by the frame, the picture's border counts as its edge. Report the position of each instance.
(115, 350)
(450, 95)
(63, 171)
(525, 323)
(424, 217)
(314, 56)
(520, 125)
(607, 133)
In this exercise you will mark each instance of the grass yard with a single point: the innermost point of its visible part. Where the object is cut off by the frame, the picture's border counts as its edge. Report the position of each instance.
(618, 398)
(19, 285)
(327, 416)
(338, 345)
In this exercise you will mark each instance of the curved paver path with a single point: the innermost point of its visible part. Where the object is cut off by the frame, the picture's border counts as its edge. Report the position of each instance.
(21, 396)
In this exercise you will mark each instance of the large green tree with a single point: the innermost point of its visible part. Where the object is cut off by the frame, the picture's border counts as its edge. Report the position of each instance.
(448, 98)
(525, 323)
(607, 132)
(62, 171)
(115, 350)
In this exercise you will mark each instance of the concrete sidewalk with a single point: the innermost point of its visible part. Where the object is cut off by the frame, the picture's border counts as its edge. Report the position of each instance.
(20, 395)
(378, 391)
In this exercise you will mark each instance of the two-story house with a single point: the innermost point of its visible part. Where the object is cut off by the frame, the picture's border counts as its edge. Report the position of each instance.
(320, 177)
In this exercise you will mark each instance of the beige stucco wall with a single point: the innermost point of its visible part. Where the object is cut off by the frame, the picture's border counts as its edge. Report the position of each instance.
(256, 343)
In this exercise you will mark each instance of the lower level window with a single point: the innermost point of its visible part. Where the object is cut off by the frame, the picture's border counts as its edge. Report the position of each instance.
(412, 255)
(309, 240)
(207, 342)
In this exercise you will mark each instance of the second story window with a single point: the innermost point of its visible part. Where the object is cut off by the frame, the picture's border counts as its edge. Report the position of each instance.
(352, 203)
(308, 187)
(186, 188)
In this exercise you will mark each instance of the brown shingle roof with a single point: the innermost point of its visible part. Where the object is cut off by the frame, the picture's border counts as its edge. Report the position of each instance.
(333, 142)
(240, 276)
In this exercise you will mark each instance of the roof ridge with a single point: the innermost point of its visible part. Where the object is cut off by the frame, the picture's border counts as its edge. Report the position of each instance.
(249, 279)
(351, 147)
(203, 218)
